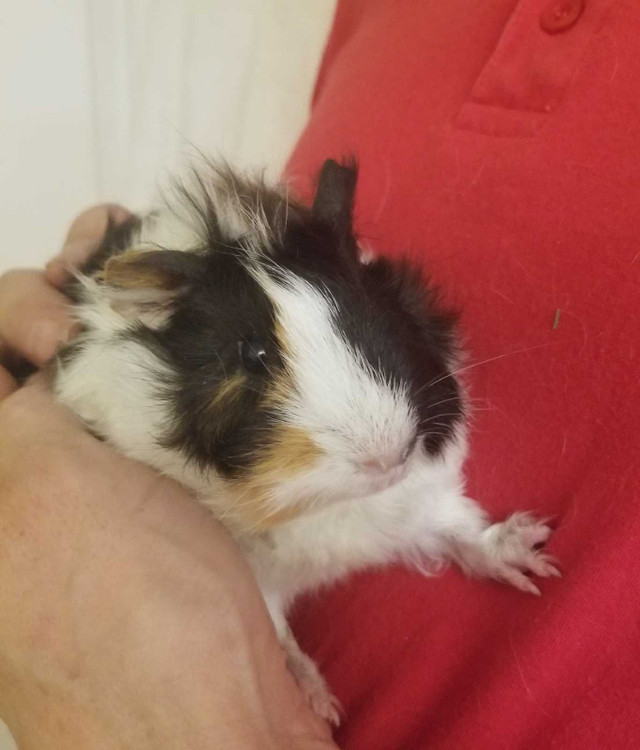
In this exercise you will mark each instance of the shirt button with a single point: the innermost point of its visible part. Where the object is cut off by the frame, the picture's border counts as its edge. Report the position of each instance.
(560, 15)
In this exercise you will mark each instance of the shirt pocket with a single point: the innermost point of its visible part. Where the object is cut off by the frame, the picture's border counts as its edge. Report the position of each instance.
(531, 69)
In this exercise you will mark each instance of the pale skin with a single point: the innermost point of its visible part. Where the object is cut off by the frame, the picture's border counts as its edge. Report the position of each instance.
(129, 618)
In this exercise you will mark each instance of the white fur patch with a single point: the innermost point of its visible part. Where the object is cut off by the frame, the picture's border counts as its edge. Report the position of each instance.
(408, 522)
(346, 407)
(167, 229)
(236, 203)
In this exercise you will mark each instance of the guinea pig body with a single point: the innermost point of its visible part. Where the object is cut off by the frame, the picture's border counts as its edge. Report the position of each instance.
(236, 341)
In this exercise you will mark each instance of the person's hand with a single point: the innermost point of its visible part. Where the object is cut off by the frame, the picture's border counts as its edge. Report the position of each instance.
(130, 619)
(33, 310)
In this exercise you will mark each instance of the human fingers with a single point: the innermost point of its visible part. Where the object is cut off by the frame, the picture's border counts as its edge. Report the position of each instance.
(8, 384)
(34, 318)
(33, 314)
(83, 239)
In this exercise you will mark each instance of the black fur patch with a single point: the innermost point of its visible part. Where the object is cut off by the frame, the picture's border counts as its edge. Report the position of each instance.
(222, 308)
(423, 335)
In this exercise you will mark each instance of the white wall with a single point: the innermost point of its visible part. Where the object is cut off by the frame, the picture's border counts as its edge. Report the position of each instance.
(46, 162)
(99, 98)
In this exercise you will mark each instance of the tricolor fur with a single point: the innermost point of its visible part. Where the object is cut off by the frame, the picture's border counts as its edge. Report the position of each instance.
(235, 340)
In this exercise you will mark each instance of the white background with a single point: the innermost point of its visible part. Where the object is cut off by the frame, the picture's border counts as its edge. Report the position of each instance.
(99, 99)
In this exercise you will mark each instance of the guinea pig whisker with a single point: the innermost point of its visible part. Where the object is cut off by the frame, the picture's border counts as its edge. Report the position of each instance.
(428, 385)
(485, 361)
(438, 403)
(440, 416)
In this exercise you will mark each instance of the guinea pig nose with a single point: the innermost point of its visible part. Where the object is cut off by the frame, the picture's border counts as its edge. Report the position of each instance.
(381, 464)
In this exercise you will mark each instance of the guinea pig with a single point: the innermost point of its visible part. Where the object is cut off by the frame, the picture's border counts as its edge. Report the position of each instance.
(240, 342)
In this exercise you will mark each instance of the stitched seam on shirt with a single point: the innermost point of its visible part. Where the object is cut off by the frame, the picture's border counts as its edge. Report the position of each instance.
(524, 110)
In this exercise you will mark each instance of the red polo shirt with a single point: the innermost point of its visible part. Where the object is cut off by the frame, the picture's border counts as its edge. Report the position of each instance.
(499, 144)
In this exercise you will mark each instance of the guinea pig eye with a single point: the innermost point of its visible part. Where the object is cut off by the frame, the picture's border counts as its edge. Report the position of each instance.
(253, 356)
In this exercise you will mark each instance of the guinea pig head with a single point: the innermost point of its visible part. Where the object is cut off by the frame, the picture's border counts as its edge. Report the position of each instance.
(303, 376)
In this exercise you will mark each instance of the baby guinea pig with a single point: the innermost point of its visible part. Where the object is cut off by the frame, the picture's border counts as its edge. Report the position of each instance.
(238, 341)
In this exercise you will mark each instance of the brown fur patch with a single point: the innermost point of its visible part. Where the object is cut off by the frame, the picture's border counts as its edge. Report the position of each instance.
(281, 337)
(278, 392)
(291, 452)
(230, 390)
(282, 387)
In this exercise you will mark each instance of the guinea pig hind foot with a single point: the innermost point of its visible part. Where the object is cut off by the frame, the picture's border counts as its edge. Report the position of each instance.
(310, 681)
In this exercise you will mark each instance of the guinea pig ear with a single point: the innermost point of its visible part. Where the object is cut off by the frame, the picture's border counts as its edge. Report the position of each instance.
(142, 284)
(163, 270)
(335, 194)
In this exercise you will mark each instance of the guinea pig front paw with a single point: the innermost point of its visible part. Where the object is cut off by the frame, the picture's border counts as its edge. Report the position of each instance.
(511, 549)
(313, 686)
